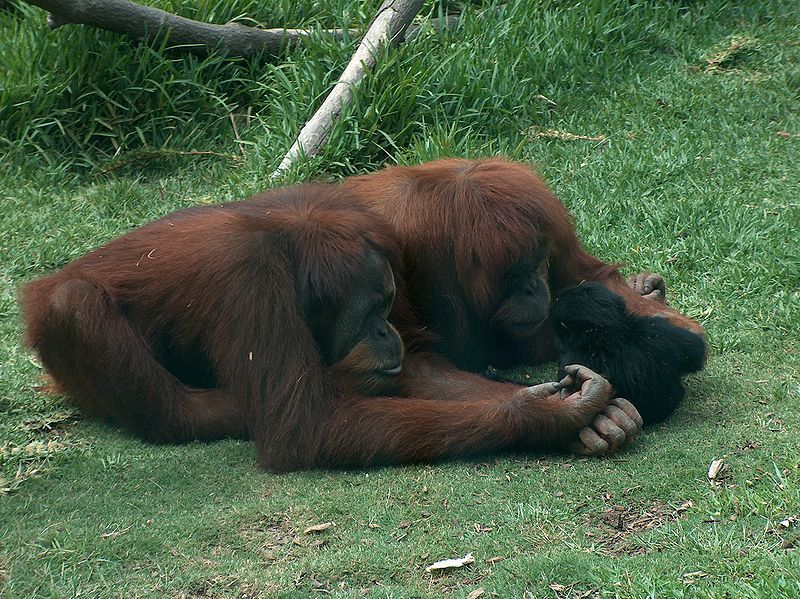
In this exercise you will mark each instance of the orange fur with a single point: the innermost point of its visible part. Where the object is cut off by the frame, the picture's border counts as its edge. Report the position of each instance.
(193, 327)
(461, 224)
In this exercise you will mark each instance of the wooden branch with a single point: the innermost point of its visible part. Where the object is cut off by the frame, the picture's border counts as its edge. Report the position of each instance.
(187, 35)
(387, 28)
(151, 24)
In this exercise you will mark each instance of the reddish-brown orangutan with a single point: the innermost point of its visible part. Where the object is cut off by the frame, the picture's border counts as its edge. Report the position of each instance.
(485, 243)
(267, 319)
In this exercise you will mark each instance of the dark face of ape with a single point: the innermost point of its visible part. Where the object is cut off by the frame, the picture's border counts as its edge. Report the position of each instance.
(526, 295)
(354, 334)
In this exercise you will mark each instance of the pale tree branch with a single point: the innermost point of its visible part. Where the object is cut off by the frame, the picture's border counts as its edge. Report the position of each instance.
(391, 25)
(386, 29)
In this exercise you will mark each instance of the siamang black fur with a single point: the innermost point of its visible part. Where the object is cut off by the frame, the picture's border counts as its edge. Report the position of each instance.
(644, 357)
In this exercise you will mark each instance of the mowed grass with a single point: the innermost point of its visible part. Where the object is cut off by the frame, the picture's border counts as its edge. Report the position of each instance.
(697, 177)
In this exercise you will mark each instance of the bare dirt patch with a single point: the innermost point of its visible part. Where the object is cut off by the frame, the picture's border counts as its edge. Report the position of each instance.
(611, 530)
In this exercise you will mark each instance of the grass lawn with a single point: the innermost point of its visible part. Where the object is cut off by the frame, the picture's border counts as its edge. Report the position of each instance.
(697, 176)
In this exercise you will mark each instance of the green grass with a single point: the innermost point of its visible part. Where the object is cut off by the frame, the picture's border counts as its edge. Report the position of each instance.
(693, 181)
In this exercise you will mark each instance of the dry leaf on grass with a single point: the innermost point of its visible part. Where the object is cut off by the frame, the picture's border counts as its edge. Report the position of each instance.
(115, 533)
(716, 468)
(692, 577)
(446, 564)
(318, 528)
(564, 591)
